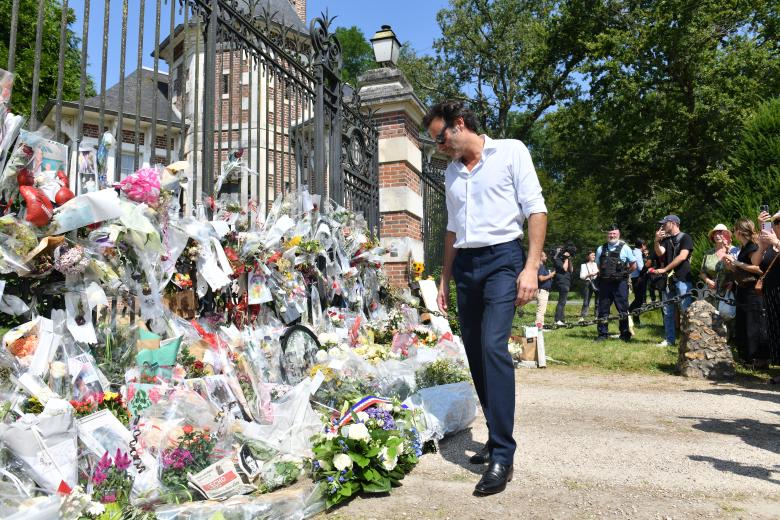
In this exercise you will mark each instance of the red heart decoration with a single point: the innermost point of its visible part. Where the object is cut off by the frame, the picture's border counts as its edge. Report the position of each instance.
(24, 177)
(63, 196)
(39, 207)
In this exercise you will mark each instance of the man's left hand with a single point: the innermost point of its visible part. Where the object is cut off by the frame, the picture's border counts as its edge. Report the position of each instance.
(527, 285)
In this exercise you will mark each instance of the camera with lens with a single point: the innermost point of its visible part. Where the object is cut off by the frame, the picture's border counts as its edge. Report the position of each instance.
(564, 250)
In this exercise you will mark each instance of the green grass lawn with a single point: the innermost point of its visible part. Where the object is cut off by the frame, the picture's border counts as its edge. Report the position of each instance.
(577, 346)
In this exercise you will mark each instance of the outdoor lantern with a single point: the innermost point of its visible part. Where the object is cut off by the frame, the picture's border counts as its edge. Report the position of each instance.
(386, 47)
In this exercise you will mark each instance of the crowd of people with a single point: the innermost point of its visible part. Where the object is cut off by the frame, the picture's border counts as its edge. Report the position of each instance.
(739, 268)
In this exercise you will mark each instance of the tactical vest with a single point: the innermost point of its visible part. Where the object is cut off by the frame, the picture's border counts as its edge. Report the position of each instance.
(611, 267)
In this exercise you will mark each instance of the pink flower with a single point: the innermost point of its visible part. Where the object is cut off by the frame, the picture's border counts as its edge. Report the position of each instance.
(108, 499)
(104, 463)
(98, 477)
(142, 186)
(121, 461)
(130, 392)
(154, 395)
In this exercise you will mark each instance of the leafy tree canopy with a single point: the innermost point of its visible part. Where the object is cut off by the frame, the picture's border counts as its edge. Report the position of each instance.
(357, 53)
(49, 57)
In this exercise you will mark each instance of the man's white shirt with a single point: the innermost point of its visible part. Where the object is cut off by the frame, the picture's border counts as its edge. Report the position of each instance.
(488, 205)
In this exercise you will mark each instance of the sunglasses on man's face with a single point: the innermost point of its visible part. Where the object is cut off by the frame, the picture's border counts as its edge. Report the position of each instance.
(442, 137)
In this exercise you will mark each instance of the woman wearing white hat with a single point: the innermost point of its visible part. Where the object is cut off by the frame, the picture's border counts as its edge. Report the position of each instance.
(712, 269)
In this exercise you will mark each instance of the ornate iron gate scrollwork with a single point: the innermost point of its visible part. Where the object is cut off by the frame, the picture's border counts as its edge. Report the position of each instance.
(434, 223)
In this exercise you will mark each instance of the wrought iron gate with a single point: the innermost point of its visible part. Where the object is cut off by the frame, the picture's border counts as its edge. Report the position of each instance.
(434, 223)
(243, 75)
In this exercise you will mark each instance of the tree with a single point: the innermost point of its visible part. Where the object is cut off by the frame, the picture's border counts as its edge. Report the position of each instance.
(517, 55)
(49, 58)
(665, 88)
(357, 53)
(756, 159)
(430, 79)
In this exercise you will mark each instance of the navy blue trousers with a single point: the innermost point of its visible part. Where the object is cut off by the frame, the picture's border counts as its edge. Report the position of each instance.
(486, 278)
(613, 292)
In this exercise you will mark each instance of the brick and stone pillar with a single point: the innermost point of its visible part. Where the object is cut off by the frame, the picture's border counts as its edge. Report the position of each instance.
(398, 116)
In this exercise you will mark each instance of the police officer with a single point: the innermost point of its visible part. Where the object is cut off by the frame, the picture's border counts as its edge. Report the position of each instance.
(616, 262)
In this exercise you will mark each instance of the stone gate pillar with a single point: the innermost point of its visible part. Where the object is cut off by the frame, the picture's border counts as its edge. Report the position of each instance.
(398, 116)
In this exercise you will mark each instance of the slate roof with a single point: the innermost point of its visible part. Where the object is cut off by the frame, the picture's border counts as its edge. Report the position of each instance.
(285, 13)
(147, 96)
(112, 98)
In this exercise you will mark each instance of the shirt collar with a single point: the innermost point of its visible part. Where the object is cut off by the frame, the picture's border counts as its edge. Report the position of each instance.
(488, 148)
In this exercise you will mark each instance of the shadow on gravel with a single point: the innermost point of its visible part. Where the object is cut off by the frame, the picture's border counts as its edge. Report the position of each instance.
(772, 397)
(752, 432)
(737, 468)
(458, 448)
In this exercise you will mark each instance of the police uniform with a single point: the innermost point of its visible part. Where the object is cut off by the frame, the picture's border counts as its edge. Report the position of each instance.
(614, 263)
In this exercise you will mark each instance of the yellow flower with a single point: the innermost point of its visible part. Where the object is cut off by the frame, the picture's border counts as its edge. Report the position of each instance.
(110, 396)
(294, 241)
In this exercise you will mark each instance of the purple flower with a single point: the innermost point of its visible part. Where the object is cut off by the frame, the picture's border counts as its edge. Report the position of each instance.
(108, 499)
(104, 463)
(98, 477)
(382, 417)
(121, 460)
(176, 458)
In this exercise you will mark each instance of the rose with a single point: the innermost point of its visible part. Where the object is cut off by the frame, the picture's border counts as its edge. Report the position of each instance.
(57, 369)
(342, 461)
(358, 432)
(362, 416)
(388, 463)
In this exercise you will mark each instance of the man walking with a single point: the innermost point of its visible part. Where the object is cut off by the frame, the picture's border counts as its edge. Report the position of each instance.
(674, 247)
(491, 189)
(616, 261)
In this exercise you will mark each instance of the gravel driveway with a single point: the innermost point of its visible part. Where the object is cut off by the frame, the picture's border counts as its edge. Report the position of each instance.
(606, 445)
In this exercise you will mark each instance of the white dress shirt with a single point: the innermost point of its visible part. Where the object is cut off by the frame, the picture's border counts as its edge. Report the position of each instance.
(488, 205)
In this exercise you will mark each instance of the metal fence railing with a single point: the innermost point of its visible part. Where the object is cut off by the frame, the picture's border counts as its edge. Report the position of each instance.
(434, 222)
(194, 81)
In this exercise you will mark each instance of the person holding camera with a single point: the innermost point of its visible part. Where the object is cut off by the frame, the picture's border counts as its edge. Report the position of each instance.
(616, 261)
(564, 268)
(674, 247)
(588, 273)
(769, 245)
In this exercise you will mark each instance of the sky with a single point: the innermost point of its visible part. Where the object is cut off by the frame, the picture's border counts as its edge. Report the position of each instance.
(413, 21)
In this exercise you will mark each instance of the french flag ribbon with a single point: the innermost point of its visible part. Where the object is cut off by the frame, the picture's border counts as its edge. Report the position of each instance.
(363, 404)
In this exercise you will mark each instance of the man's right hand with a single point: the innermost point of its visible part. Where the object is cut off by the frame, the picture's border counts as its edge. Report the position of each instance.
(443, 298)
(660, 235)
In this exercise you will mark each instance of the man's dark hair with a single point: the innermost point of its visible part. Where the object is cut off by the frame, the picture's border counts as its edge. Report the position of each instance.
(449, 111)
(640, 242)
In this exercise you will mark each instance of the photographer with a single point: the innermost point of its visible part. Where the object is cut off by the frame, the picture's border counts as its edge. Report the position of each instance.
(674, 248)
(563, 265)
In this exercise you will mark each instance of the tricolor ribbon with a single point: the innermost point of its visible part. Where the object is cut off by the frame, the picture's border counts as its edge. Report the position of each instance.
(363, 404)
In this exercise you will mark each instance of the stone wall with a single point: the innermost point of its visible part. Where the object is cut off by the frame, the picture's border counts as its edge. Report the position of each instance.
(704, 352)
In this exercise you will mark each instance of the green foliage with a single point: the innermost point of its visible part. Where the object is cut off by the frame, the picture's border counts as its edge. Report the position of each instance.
(667, 86)
(516, 55)
(357, 53)
(755, 165)
(48, 58)
(430, 77)
(364, 456)
(441, 372)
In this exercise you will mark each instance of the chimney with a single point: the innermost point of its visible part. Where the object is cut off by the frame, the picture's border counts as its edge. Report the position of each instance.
(300, 8)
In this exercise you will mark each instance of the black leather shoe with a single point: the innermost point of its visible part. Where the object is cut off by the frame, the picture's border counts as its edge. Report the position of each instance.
(482, 456)
(494, 479)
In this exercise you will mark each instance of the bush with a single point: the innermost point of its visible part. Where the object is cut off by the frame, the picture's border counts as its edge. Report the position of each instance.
(754, 165)
(441, 372)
